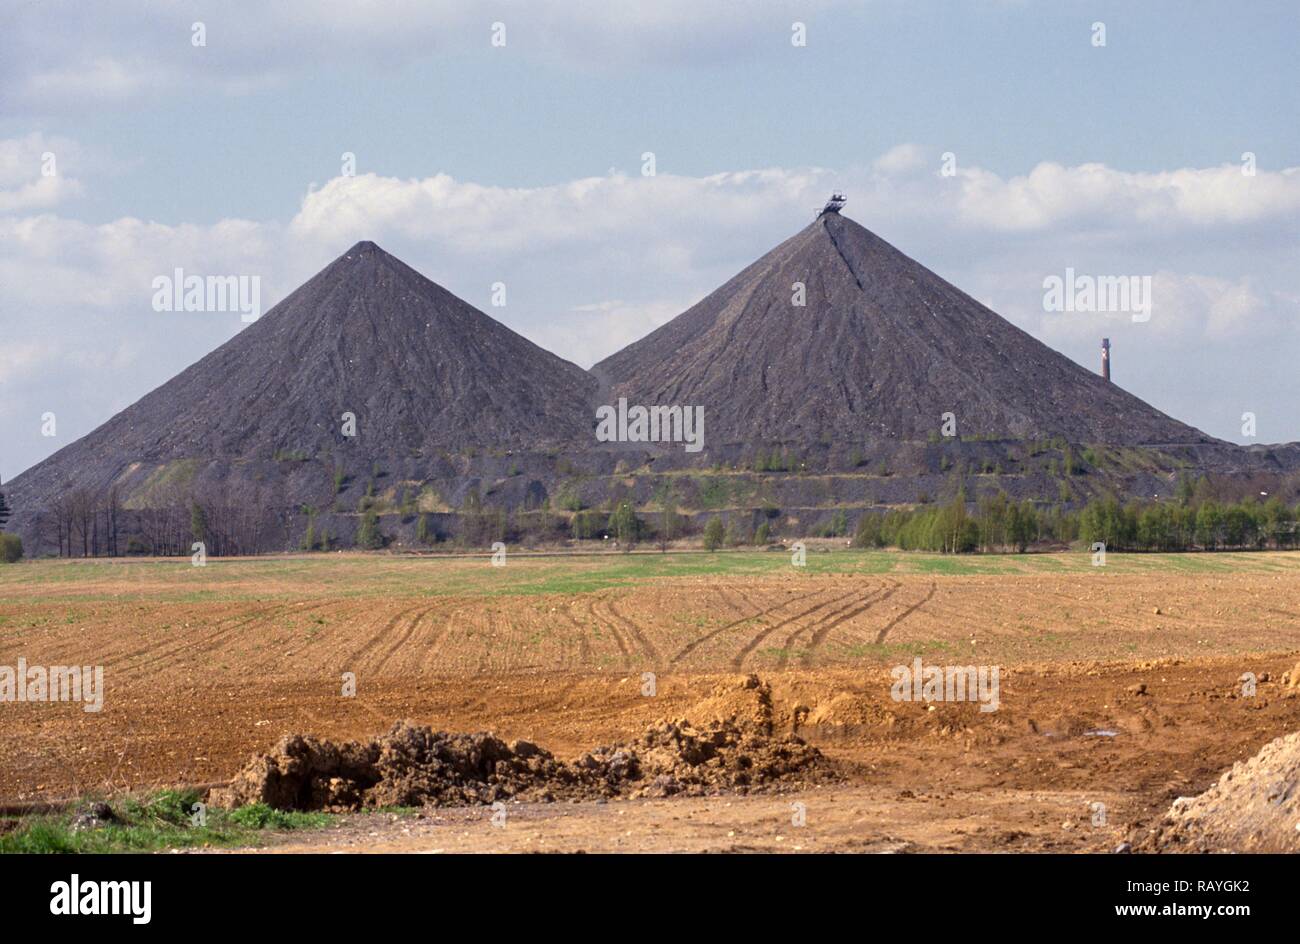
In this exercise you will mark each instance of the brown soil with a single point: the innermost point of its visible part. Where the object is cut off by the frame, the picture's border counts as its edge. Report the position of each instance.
(195, 688)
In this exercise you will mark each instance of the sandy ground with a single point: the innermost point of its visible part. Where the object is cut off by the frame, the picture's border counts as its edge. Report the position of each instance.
(830, 819)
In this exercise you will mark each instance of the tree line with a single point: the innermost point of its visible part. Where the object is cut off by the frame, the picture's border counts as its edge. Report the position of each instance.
(83, 522)
(11, 545)
(998, 524)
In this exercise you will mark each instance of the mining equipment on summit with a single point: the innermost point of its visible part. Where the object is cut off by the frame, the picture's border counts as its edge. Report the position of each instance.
(834, 204)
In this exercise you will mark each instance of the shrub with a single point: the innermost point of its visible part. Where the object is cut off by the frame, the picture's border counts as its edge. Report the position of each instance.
(567, 498)
(714, 534)
(11, 548)
(198, 522)
(625, 525)
(585, 524)
(368, 535)
(870, 532)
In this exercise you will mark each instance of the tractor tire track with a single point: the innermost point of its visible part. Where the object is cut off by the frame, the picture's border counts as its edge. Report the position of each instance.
(439, 636)
(580, 633)
(578, 640)
(821, 625)
(402, 639)
(173, 646)
(819, 637)
(798, 631)
(213, 641)
(880, 636)
(375, 638)
(618, 637)
(733, 599)
(647, 647)
(584, 643)
(756, 640)
(713, 633)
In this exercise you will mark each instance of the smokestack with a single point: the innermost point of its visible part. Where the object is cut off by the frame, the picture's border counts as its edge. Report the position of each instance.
(1105, 358)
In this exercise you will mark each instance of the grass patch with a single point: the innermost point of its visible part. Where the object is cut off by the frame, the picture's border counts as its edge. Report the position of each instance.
(78, 586)
(901, 652)
(164, 820)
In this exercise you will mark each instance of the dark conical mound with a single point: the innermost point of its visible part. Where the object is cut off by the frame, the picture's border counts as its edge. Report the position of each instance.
(258, 423)
(882, 348)
(420, 369)
(369, 335)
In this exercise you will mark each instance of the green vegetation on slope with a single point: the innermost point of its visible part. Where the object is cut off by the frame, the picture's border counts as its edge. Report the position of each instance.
(165, 820)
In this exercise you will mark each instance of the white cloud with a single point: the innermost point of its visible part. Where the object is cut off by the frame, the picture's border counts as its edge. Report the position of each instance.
(594, 331)
(101, 79)
(901, 159)
(478, 218)
(33, 172)
(1052, 195)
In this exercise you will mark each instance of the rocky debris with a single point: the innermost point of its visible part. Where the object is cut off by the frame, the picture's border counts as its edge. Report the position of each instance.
(93, 816)
(412, 765)
(1254, 807)
(673, 757)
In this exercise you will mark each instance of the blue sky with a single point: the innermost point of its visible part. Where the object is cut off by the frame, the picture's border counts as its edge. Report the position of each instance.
(522, 164)
(1005, 84)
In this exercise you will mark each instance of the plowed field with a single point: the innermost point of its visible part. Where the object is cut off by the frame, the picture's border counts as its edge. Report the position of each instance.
(204, 666)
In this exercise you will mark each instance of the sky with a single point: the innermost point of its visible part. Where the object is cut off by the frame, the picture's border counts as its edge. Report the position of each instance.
(999, 143)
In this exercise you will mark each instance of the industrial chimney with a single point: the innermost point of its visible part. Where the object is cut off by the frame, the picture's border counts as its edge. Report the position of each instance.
(1105, 358)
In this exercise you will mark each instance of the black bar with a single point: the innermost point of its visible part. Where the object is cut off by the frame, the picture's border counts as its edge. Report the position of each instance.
(330, 893)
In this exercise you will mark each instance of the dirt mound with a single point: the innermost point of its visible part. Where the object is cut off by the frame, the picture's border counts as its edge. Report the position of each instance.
(1255, 807)
(746, 702)
(409, 766)
(851, 710)
(413, 765)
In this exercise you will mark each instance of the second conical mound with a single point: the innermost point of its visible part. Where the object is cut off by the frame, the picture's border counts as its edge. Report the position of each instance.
(882, 348)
